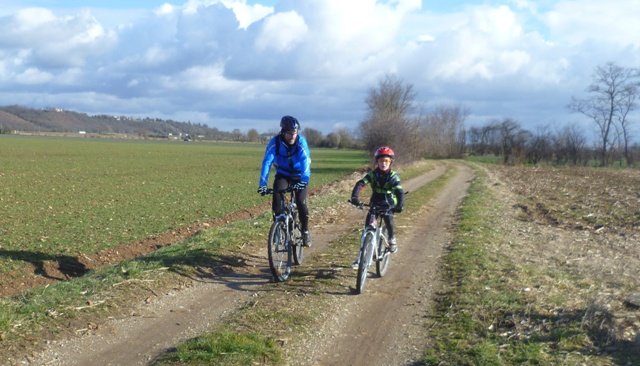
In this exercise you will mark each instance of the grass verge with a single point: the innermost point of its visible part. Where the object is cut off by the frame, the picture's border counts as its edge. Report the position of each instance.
(501, 308)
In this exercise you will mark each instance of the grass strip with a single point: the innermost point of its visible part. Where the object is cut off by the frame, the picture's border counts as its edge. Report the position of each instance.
(496, 309)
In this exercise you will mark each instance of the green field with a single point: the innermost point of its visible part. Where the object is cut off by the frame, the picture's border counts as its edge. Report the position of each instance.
(71, 196)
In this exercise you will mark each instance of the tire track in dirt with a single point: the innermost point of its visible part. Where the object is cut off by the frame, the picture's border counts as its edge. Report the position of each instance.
(386, 324)
(153, 328)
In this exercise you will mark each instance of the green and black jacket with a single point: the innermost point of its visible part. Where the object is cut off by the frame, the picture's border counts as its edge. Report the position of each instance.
(385, 186)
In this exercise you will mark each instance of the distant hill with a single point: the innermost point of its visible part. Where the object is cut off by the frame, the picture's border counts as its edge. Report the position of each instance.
(18, 118)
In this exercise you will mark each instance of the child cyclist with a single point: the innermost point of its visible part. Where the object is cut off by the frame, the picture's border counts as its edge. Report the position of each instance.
(387, 191)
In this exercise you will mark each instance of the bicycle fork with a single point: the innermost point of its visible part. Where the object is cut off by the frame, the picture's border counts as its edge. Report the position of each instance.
(286, 222)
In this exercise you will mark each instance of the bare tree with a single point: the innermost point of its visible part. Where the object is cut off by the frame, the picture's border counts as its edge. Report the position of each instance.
(511, 139)
(387, 121)
(483, 140)
(237, 135)
(613, 93)
(332, 140)
(474, 142)
(626, 105)
(346, 138)
(539, 146)
(313, 136)
(443, 130)
(253, 135)
(570, 145)
(634, 151)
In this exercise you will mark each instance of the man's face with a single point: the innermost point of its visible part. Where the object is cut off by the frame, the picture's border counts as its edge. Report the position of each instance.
(290, 136)
(384, 163)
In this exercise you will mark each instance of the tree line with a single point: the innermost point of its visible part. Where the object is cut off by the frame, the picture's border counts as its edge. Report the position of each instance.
(441, 133)
(340, 139)
(391, 119)
(566, 145)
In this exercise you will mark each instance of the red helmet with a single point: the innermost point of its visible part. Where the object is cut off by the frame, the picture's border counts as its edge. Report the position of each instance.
(384, 151)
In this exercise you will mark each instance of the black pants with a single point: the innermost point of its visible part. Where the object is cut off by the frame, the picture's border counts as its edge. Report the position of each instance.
(281, 182)
(388, 221)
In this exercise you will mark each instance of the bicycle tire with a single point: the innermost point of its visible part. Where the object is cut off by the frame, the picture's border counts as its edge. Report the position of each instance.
(279, 252)
(298, 248)
(382, 264)
(365, 260)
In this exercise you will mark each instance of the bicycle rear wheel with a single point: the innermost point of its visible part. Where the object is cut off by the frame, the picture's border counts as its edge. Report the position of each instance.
(279, 252)
(366, 253)
(383, 254)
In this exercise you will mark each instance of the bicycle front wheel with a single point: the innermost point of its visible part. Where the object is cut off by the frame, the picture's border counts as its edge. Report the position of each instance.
(383, 254)
(279, 252)
(298, 249)
(366, 253)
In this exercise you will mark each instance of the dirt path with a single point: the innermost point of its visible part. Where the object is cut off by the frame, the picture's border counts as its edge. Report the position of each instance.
(184, 313)
(397, 302)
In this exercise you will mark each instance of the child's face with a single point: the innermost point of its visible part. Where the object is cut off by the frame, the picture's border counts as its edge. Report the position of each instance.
(384, 163)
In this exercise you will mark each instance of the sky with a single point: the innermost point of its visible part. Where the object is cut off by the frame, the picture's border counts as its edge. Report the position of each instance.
(240, 64)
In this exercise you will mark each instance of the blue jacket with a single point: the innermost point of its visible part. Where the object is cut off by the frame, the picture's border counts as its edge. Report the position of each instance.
(290, 161)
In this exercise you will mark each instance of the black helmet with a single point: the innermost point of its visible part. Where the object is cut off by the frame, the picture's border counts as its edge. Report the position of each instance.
(288, 123)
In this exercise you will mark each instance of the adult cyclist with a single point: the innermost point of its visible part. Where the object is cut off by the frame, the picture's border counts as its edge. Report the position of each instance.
(289, 152)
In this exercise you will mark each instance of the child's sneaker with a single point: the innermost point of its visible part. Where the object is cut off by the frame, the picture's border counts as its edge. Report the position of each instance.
(393, 247)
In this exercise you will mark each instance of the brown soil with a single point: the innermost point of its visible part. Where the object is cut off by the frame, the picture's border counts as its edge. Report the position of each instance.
(582, 222)
(401, 298)
(53, 269)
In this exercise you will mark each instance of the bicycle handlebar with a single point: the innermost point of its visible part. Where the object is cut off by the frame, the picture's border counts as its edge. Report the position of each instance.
(286, 190)
(379, 209)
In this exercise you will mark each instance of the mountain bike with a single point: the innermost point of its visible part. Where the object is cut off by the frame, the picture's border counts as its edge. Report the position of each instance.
(284, 245)
(374, 245)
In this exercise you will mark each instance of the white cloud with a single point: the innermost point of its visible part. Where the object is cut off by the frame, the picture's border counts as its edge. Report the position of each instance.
(248, 14)
(33, 19)
(222, 60)
(52, 41)
(204, 78)
(577, 22)
(33, 76)
(155, 55)
(165, 9)
(485, 42)
(281, 32)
